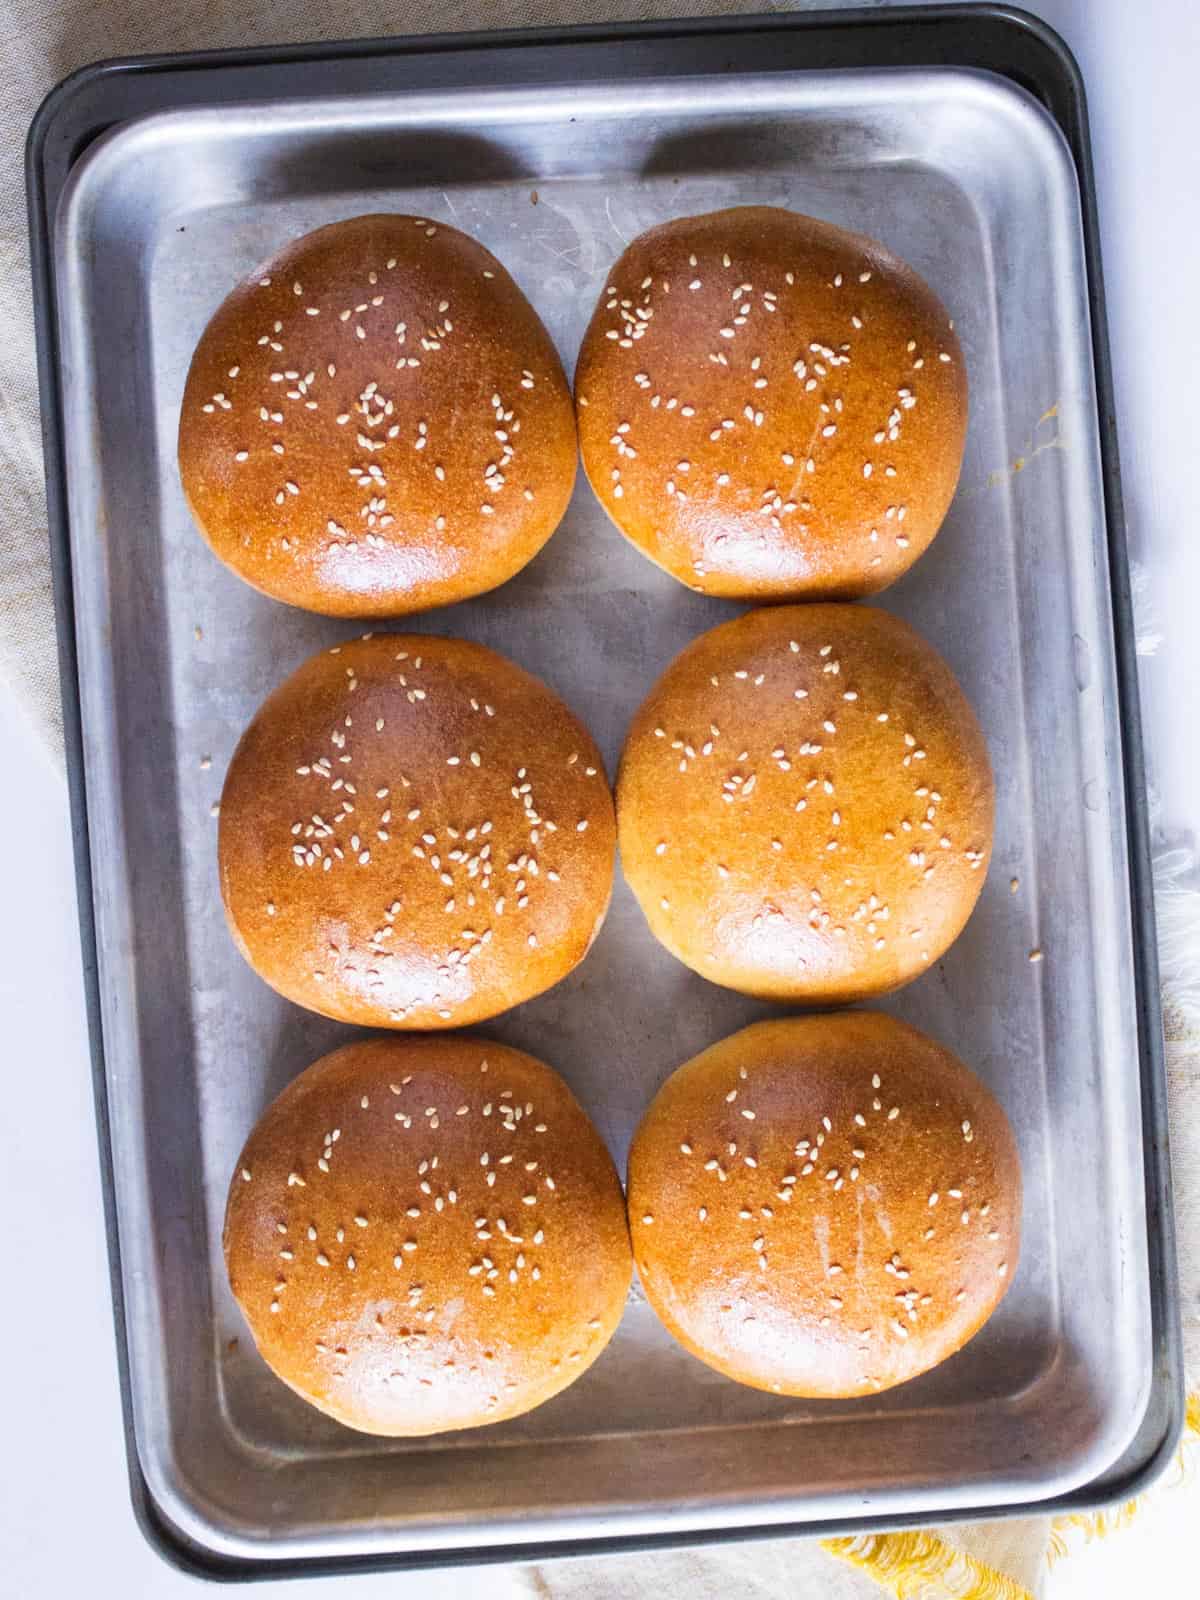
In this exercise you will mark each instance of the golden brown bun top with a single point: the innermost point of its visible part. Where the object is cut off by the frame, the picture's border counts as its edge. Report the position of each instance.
(427, 1234)
(805, 804)
(770, 406)
(376, 422)
(826, 1205)
(414, 833)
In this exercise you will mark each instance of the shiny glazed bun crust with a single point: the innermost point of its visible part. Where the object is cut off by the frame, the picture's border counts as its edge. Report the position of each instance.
(824, 1206)
(414, 833)
(376, 422)
(805, 804)
(426, 1234)
(771, 407)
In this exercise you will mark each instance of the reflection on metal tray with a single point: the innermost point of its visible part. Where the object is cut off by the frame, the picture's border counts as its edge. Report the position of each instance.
(969, 179)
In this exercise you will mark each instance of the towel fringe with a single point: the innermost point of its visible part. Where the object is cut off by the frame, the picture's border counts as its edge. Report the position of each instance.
(913, 1565)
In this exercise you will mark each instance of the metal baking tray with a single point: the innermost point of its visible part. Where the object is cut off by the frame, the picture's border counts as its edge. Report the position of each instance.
(958, 137)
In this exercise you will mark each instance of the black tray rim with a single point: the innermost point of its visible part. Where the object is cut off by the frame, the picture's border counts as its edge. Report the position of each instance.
(1005, 40)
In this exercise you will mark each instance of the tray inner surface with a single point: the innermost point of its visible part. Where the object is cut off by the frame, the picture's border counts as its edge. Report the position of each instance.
(966, 180)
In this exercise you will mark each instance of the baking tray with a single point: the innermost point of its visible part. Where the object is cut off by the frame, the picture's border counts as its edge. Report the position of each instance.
(958, 135)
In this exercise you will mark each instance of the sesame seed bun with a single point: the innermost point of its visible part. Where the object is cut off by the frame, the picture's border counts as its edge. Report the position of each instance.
(414, 833)
(376, 422)
(771, 407)
(824, 1206)
(426, 1234)
(805, 804)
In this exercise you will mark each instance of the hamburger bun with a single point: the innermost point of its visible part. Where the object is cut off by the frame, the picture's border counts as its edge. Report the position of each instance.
(414, 833)
(805, 804)
(376, 422)
(771, 407)
(426, 1234)
(824, 1206)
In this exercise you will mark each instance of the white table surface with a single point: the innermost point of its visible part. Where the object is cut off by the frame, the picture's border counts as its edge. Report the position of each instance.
(65, 1520)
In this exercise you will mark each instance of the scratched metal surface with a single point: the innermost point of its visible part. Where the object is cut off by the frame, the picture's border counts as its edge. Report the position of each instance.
(966, 179)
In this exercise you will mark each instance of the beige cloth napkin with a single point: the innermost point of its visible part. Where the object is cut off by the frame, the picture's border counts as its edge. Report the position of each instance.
(40, 42)
(987, 1561)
